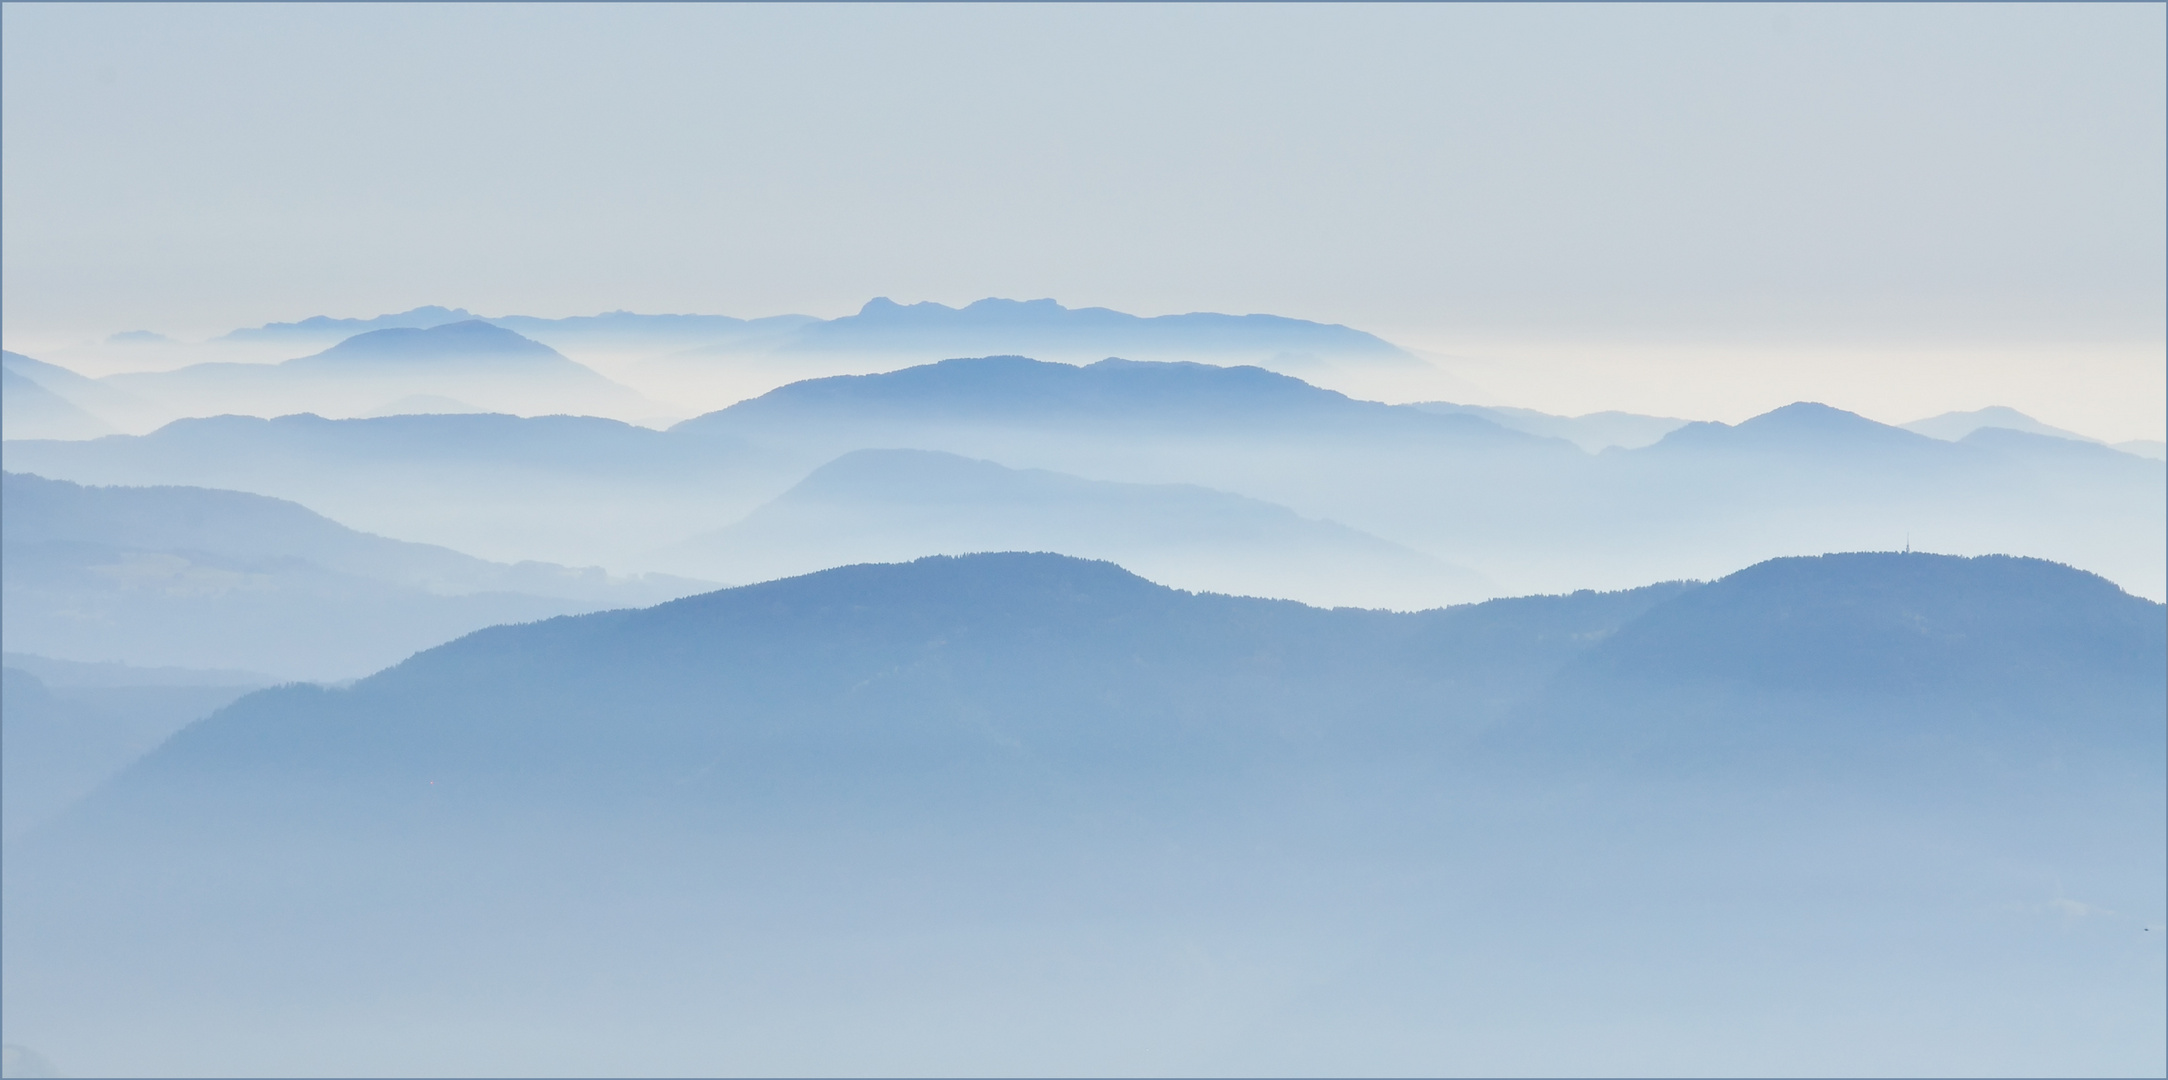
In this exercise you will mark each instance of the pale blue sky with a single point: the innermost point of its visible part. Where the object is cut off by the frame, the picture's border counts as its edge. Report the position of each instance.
(1858, 176)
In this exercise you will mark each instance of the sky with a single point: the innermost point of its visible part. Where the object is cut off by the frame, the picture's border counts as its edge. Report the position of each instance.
(1700, 209)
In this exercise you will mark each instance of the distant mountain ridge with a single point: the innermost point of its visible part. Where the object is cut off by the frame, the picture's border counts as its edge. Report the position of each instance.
(1952, 426)
(320, 326)
(208, 579)
(1047, 329)
(1800, 425)
(46, 401)
(469, 340)
(984, 326)
(895, 505)
(28, 410)
(468, 360)
(1531, 513)
(1018, 392)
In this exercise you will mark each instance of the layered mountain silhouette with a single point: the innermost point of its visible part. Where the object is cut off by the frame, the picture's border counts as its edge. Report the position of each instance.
(567, 489)
(1047, 329)
(884, 336)
(1529, 513)
(697, 362)
(895, 505)
(1056, 657)
(932, 784)
(1957, 425)
(1037, 407)
(203, 578)
(30, 411)
(46, 401)
(1952, 426)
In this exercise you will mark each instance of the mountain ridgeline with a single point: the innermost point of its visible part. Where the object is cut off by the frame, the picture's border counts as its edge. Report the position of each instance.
(1524, 510)
(1008, 792)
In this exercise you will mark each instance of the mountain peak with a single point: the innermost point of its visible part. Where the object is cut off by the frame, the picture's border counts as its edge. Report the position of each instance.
(472, 337)
(1799, 425)
(1802, 415)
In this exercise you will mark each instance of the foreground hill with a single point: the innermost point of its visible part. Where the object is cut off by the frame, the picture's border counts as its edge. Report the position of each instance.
(66, 728)
(205, 578)
(1038, 806)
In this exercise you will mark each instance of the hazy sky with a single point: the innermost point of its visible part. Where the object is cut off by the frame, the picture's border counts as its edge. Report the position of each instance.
(1524, 187)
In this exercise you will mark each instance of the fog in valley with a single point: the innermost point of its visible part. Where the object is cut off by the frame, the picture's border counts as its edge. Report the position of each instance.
(1028, 540)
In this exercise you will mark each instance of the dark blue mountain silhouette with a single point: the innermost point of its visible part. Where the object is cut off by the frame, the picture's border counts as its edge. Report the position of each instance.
(983, 656)
(1061, 660)
(824, 802)
(1897, 623)
(1869, 665)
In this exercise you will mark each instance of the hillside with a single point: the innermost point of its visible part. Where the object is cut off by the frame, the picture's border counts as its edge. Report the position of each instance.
(1028, 790)
(65, 732)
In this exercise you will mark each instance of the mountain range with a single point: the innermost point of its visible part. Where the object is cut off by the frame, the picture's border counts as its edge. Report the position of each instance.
(325, 329)
(1952, 426)
(961, 814)
(687, 364)
(1530, 513)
